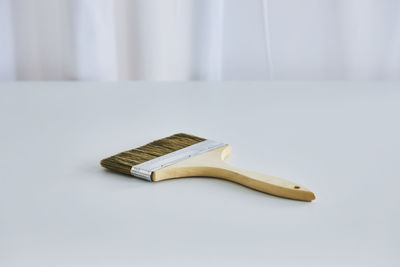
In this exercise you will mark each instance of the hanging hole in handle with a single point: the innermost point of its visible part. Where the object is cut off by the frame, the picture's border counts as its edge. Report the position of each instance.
(296, 187)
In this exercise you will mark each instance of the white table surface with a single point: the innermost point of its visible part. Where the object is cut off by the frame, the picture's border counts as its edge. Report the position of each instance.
(58, 207)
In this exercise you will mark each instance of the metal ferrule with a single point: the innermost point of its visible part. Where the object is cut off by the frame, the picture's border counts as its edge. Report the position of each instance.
(144, 170)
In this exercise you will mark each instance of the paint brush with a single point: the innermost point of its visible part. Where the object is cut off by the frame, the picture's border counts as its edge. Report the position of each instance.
(184, 155)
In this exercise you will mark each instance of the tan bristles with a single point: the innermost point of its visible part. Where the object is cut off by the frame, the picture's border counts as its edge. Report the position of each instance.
(124, 161)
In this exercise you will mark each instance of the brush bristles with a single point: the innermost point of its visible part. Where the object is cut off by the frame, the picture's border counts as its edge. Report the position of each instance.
(124, 161)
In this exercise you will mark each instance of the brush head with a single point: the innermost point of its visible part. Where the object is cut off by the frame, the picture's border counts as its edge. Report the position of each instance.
(124, 161)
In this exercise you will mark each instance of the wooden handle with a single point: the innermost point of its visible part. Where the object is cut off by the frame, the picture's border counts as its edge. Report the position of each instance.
(212, 164)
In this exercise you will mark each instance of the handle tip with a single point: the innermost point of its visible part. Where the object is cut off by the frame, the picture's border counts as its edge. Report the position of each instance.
(310, 197)
(306, 195)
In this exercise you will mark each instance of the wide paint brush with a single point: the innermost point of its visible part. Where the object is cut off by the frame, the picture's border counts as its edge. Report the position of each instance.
(184, 155)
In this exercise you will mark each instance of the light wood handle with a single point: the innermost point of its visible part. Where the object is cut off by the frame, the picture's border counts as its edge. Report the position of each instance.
(212, 164)
(265, 183)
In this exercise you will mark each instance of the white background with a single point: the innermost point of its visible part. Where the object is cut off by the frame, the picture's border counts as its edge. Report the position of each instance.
(59, 207)
(199, 39)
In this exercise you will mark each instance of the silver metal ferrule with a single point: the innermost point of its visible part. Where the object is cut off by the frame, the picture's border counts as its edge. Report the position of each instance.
(145, 169)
